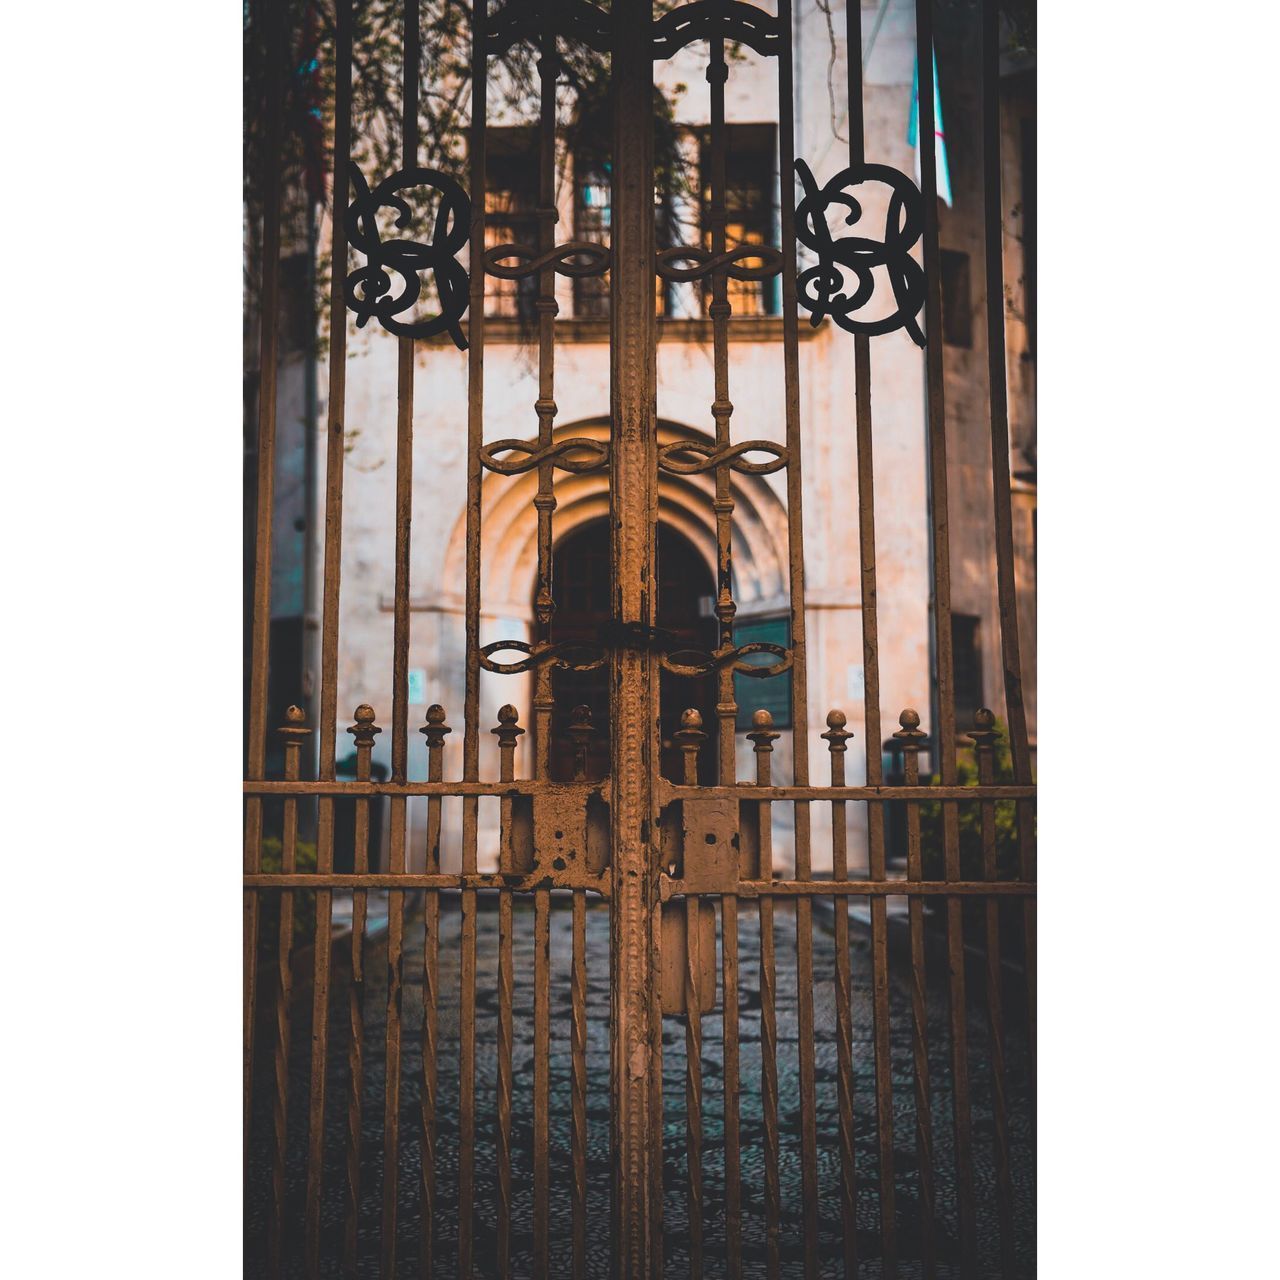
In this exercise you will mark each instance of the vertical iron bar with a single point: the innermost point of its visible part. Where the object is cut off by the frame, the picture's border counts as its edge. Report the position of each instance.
(691, 737)
(693, 1078)
(292, 732)
(635, 1025)
(729, 1013)
(582, 732)
(726, 708)
(871, 700)
(946, 727)
(762, 736)
(984, 736)
(541, 1078)
(435, 730)
(508, 732)
(334, 460)
(260, 641)
(364, 731)
(544, 610)
(399, 696)
(800, 708)
(471, 705)
(579, 1084)
(911, 736)
(837, 738)
(1010, 643)
(883, 1050)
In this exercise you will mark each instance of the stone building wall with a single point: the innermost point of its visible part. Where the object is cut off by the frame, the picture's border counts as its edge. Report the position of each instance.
(685, 392)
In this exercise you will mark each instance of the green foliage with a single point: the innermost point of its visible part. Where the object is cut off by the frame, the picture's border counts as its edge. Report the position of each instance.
(377, 107)
(304, 900)
(970, 821)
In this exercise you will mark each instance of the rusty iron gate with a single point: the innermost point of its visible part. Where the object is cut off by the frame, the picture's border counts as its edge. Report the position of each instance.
(679, 863)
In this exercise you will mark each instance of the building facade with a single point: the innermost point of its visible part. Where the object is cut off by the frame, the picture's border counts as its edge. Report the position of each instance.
(686, 537)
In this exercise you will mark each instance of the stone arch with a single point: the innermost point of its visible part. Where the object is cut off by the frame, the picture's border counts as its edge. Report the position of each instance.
(508, 537)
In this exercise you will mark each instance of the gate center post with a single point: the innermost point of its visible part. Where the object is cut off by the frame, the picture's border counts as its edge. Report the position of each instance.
(635, 1027)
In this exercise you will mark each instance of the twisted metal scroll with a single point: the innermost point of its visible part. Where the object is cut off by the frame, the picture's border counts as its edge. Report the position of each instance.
(407, 257)
(821, 288)
(703, 662)
(555, 453)
(558, 655)
(578, 655)
(713, 457)
(717, 20)
(531, 262)
(532, 19)
(708, 262)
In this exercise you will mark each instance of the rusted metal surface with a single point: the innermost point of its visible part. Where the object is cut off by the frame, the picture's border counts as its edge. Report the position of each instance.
(256, 754)
(984, 736)
(837, 737)
(656, 851)
(636, 1034)
(911, 736)
(664, 790)
(763, 735)
(434, 730)
(293, 732)
(327, 742)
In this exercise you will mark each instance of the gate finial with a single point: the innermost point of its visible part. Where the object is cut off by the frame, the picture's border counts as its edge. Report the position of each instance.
(293, 731)
(507, 730)
(508, 733)
(435, 728)
(984, 734)
(690, 737)
(581, 731)
(364, 731)
(837, 735)
(910, 735)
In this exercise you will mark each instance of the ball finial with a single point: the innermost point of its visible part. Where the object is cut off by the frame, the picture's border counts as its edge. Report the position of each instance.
(836, 719)
(909, 719)
(507, 714)
(295, 715)
(365, 714)
(435, 714)
(984, 718)
(761, 719)
(691, 718)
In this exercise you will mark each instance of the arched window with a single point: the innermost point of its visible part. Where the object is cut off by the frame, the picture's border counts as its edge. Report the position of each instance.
(580, 577)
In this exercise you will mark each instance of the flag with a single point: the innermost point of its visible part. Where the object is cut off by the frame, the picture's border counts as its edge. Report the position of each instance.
(913, 132)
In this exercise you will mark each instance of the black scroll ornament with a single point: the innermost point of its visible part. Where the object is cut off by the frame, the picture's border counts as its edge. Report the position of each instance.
(368, 288)
(821, 288)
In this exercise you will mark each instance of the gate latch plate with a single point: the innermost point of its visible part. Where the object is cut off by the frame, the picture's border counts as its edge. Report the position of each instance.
(710, 846)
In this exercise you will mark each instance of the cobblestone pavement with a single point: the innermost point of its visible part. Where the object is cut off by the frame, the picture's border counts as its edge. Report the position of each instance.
(674, 1207)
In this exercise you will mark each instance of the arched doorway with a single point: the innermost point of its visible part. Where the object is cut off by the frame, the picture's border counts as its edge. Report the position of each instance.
(580, 569)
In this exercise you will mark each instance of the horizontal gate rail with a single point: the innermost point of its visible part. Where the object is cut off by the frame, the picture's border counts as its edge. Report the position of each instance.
(738, 791)
(745, 888)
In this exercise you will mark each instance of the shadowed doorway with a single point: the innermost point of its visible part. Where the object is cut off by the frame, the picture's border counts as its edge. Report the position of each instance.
(580, 568)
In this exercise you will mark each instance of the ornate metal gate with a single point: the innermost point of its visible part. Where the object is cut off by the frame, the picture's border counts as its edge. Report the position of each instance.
(679, 863)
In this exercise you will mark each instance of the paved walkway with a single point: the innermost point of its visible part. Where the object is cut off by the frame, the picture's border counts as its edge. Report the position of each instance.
(674, 1208)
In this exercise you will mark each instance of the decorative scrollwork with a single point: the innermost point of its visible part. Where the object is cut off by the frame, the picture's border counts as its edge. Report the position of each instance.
(711, 457)
(532, 19)
(822, 288)
(558, 655)
(717, 20)
(556, 453)
(368, 288)
(531, 262)
(708, 263)
(702, 663)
